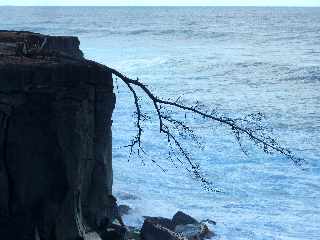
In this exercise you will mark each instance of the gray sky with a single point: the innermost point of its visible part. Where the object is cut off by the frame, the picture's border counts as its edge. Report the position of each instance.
(163, 2)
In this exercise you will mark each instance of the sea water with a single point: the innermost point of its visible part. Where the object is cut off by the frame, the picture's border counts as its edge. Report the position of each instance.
(236, 60)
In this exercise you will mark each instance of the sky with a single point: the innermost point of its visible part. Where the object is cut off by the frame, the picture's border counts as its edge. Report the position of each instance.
(161, 2)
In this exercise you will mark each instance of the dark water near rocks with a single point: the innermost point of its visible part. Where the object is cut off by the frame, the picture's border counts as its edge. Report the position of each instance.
(240, 60)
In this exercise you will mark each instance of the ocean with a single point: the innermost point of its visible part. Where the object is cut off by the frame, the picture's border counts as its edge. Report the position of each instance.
(236, 60)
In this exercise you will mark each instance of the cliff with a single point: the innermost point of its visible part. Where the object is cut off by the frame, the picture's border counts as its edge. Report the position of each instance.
(55, 138)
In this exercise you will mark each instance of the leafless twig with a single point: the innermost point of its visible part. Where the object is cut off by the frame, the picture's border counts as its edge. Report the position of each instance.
(248, 126)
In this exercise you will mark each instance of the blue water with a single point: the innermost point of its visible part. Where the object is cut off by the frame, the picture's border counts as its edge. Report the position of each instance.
(236, 60)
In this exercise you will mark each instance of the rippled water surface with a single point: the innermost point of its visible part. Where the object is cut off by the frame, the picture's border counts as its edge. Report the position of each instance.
(237, 60)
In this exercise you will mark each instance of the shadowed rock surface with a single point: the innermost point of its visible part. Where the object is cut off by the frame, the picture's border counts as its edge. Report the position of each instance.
(164, 222)
(153, 231)
(180, 218)
(55, 138)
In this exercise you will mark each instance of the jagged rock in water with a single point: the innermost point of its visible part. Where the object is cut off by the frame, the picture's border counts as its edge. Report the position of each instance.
(189, 227)
(55, 138)
(154, 231)
(164, 222)
(124, 210)
(195, 231)
(181, 226)
(181, 218)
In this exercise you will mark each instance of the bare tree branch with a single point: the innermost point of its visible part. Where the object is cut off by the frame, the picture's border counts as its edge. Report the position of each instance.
(249, 127)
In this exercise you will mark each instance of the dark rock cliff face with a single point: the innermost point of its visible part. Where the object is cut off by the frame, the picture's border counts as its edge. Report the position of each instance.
(55, 138)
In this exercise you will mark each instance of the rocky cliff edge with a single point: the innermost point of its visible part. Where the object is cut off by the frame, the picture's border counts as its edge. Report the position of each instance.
(55, 138)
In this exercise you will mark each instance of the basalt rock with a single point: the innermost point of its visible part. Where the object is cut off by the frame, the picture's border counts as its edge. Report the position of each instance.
(194, 231)
(124, 210)
(164, 222)
(181, 226)
(154, 231)
(181, 218)
(55, 138)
